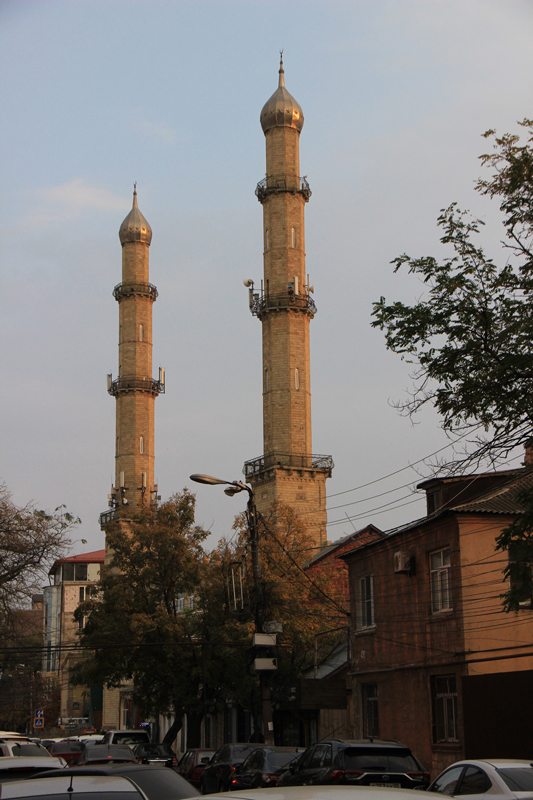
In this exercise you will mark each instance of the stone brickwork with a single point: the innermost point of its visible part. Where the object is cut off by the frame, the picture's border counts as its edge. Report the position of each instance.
(285, 334)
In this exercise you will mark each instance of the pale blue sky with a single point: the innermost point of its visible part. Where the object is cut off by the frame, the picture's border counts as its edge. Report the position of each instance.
(96, 95)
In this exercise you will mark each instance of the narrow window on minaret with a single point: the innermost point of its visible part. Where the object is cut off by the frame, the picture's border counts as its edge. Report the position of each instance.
(293, 237)
(118, 446)
(266, 239)
(141, 445)
(140, 333)
(296, 379)
(120, 334)
(266, 380)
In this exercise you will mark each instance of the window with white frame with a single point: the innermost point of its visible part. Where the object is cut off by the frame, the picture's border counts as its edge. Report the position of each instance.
(439, 566)
(444, 702)
(141, 445)
(365, 606)
(181, 602)
(141, 333)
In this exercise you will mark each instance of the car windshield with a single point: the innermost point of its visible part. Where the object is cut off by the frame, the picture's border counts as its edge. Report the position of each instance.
(30, 749)
(156, 750)
(130, 738)
(518, 779)
(162, 783)
(378, 759)
(66, 747)
(278, 760)
(206, 754)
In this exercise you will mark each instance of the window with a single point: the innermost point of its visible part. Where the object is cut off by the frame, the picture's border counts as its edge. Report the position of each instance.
(141, 445)
(369, 699)
(118, 446)
(444, 702)
(181, 602)
(474, 781)
(293, 237)
(140, 333)
(520, 574)
(266, 380)
(81, 597)
(365, 607)
(441, 598)
(266, 240)
(296, 379)
(191, 601)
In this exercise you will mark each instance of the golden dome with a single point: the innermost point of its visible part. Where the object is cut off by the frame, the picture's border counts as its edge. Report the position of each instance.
(282, 110)
(135, 228)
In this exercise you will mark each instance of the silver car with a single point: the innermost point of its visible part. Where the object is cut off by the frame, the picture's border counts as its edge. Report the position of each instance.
(493, 777)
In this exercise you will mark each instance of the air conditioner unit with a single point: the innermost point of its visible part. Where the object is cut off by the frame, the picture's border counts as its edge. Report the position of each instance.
(401, 561)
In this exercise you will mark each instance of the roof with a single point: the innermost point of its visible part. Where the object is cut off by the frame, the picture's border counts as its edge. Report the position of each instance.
(95, 557)
(500, 500)
(368, 530)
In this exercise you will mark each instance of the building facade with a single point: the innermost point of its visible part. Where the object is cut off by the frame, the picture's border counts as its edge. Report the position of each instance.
(71, 580)
(287, 472)
(435, 661)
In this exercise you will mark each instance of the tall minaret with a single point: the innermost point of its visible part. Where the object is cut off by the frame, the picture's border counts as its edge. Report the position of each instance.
(135, 389)
(287, 472)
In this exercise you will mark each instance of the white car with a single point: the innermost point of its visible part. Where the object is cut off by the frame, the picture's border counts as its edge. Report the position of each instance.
(102, 787)
(494, 777)
(319, 792)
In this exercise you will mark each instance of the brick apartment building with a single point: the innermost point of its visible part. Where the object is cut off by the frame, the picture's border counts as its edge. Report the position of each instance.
(435, 661)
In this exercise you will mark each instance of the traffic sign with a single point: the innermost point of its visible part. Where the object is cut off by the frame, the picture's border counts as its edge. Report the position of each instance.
(38, 720)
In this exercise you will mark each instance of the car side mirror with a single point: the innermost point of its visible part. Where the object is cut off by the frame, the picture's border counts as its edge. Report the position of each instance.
(205, 760)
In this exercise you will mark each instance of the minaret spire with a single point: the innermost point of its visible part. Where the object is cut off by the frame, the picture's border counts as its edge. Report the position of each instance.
(281, 83)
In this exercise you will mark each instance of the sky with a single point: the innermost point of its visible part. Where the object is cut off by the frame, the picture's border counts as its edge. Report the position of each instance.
(97, 94)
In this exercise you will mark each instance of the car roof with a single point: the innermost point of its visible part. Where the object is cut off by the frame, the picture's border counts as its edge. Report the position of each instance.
(130, 770)
(497, 763)
(326, 792)
(12, 762)
(61, 784)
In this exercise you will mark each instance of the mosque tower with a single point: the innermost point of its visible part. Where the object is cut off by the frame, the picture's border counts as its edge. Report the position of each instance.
(288, 472)
(134, 389)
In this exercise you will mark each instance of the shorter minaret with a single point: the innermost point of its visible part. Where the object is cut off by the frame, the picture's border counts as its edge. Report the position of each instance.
(134, 389)
(288, 472)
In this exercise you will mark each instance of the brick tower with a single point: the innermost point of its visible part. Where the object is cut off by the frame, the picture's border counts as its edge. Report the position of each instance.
(135, 390)
(287, 472)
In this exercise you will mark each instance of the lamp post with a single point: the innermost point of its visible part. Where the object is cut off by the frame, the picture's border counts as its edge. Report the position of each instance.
(234, 487)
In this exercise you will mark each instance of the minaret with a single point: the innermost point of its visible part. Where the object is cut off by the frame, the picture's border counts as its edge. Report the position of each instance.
(135, 390)
(287, 472)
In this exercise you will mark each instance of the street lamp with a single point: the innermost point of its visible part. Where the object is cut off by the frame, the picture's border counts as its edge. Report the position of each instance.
(234, 487)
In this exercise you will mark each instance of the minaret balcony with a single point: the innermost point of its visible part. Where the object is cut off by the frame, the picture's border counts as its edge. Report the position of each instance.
(292, 461)
(276, 184)
(123, 290)
(286, 301)
(133, 383)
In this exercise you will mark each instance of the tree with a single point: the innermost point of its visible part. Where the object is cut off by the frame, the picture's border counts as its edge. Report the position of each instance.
(471, 337)
(30, 542)
(191, 658)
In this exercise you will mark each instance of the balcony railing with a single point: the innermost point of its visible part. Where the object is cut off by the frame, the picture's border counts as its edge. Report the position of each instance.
(127, 289)
(134, 384)
(280, 302)
(288, 460)
(109, 516)
(273, 184)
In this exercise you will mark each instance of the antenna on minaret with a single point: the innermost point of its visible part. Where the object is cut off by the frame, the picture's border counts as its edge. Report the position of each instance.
(281, 70)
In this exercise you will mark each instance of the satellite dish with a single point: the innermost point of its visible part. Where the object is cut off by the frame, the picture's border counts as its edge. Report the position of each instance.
(248, 282)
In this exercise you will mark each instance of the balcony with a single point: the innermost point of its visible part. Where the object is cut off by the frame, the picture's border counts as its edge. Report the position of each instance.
(134, 384)
(109, 516)
(123, 290)
(283, 302)
(314, 463)
(276, 184)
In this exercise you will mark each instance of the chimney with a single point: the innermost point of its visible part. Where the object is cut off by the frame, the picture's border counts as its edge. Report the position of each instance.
(528, 455)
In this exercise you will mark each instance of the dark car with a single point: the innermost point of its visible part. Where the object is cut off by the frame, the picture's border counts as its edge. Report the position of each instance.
(193, 763)
(358, 763)
(70, 750)
(151, 753)
(158, 783)
(107, 754)
(217, 774)
(263, 767)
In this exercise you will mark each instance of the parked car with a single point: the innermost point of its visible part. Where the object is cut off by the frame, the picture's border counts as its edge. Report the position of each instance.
(15, 768)
(158, 783)
(193, 763)
(107, 754)
(151, 753)
(102, 787)
(69, 749)
(358, 763)
(321, 793)
(132, 737)
(506, 778)
(22, 747)
(263, 767)
(217, 774)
